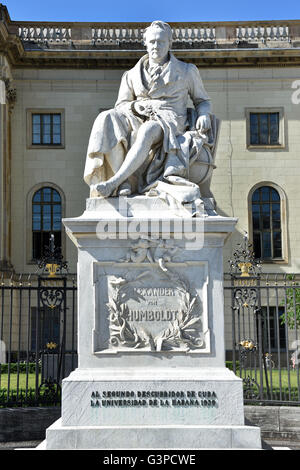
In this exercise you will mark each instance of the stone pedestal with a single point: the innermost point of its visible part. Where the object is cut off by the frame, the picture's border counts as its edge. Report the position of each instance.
(151, 371)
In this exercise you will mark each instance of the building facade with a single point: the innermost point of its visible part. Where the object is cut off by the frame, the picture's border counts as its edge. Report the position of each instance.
(56, 77)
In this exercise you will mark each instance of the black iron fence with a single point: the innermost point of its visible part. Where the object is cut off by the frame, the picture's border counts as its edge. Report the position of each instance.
(38, 329)
(264, 330)
(38, 333)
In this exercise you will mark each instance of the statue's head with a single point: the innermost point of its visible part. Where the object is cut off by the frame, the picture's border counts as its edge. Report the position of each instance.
(158, 39)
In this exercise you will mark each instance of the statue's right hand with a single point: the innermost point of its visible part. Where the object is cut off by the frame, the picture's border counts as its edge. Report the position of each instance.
(203, 123)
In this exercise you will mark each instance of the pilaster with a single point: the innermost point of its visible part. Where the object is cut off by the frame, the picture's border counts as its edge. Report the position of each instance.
(7, 100)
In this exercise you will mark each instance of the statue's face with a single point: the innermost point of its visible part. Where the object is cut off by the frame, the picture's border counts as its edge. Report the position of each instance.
(157, 44)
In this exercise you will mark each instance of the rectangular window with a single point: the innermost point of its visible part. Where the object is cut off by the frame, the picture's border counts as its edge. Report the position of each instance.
(45, 128)
(265, 128)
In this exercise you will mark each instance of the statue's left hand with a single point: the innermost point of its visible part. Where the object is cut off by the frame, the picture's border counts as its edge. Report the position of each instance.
(144, 107)
(203, 123)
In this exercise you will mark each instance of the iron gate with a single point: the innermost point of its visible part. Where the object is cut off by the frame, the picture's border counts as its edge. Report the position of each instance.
(265, 321)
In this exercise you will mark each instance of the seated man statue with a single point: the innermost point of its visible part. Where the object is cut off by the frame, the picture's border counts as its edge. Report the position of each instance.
(150, 140)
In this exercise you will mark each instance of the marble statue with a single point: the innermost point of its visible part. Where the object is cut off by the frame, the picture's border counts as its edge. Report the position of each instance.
(160, 136)
(151, 346)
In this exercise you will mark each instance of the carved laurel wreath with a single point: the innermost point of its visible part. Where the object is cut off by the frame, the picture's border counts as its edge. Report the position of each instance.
(182, 333)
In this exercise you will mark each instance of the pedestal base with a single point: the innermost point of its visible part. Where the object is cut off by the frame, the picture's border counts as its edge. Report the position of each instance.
(151, 437)
(151, 371)
(169, 409)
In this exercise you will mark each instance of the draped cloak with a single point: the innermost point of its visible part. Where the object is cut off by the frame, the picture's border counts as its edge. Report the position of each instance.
(169, 94)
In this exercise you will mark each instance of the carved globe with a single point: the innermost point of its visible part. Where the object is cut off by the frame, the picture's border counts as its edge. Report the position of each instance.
(202, 168)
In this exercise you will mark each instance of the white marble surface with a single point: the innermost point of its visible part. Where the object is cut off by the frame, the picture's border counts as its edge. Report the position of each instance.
(224, 405)
(102, 373)
(109, 254)
(60, 437)
(144, 141)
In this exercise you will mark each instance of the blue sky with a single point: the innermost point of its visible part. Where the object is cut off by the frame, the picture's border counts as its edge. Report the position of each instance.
(143, 10)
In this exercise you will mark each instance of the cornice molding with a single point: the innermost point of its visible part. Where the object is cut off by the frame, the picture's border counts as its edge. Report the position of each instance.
(125, 59)
(119, 45)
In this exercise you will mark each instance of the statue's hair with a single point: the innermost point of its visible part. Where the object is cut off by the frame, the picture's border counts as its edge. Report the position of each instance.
(159, 25)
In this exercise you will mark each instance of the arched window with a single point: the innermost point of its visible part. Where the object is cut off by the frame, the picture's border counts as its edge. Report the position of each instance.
(267, 223)
(46, 219)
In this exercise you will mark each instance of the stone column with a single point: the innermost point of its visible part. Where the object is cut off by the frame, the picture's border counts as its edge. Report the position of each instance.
(7, 99)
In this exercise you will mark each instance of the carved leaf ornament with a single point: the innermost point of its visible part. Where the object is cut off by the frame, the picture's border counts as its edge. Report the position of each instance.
(183, 333)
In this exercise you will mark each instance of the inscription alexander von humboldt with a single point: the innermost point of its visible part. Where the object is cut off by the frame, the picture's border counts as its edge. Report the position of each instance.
(150, 307)
(159, 305)
(154, 311)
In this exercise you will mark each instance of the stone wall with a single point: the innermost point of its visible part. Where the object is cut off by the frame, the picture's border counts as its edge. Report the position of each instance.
(26, 424)
(282, 422)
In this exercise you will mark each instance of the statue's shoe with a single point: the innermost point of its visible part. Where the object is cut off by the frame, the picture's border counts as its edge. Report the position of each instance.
(104, 189)
(125, 189)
